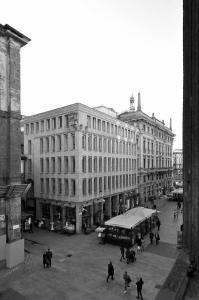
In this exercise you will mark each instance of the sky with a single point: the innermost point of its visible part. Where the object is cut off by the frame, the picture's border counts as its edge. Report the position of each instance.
(99, 52)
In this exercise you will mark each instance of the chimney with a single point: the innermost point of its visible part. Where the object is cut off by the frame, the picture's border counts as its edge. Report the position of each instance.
(139, 102)
(170, 124)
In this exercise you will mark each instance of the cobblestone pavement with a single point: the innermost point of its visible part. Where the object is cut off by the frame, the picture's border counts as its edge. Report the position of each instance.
(79, 266)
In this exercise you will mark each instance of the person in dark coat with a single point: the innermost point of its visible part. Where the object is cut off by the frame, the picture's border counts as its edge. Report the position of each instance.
(110, 271)
(44, 260)
(122, 253)
(151, 236)
(158, 223)
(139, 284)
(49, 256)
(127, 255)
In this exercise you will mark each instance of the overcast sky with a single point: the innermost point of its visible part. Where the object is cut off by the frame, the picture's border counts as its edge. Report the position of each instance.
(99, 52)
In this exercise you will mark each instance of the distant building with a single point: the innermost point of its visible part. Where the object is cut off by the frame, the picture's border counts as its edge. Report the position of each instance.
(178, 167)
(155, 142)
(83, 162)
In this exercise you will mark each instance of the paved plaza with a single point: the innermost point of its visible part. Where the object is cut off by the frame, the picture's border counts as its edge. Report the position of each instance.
(79, 266)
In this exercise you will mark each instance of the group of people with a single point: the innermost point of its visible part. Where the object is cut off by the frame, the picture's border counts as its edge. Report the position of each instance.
(156, 236)
(47, 256)
(128, 255)
(127, 280)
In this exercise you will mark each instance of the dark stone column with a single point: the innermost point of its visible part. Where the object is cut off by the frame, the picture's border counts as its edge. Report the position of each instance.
(191, 127)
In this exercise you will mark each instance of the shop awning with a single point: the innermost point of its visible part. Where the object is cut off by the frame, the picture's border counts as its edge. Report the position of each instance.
(131, 218)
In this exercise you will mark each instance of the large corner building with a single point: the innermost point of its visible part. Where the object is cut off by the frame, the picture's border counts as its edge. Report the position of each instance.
(83, 162)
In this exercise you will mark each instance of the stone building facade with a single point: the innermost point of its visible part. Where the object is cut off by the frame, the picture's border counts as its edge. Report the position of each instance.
(155, 142)
(83, 162)
(178, 167)
(11, 244)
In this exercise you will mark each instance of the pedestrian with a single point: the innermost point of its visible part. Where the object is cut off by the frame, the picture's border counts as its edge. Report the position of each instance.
(157, 238)
(49, 256)
(31, 227)
(151, 236)
(122, 253)
(110, 271)
(158, 223)
(142, 244)
(139, 284)
(44, 260)
(127, 255)
(127, 280)
(139, 244)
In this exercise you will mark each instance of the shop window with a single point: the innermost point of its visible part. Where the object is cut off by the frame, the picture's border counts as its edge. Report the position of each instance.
(46, 211)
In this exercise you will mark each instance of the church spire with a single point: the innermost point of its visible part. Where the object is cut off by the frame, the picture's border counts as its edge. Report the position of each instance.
(139, 102)
(132, 103)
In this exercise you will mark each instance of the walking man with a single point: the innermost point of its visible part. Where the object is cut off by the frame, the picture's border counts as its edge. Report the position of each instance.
(127, 255)
(158, 223)
(44, 260)
(110, 271)
(122, 253)
(157, 238)
(49, 256)
(139, 284)
(127, 280)
(151, 236)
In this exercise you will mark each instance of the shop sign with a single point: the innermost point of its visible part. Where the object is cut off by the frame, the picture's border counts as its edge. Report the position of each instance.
(2, 218)
(15, 226)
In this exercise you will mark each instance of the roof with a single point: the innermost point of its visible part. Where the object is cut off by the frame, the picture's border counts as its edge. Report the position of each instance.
(131, 218)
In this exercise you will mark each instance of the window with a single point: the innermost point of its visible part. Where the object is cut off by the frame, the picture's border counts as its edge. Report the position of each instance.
(105, 184)
(105, 164)
(59, 186)
(84, 164)
(123, 164)
(48, 124)
(117, 164)
(109, 164)
(37, 127)
(53, 144)
(60, 122)
(100, 144)
(84, 186)
(109, 183)
(66, 164)
(99, 124)
(58, 142)
(72, 142)
(95, 164)
(112, 128)
(103, 126)
(72, 164)
(59, 164)
(108, 127)
(100, 164)
(95, 143)
(42, 125)
(100, 185)
(90, 186)
(117, 182)
(104, 145)
(41, 185)
(47, 186)
(90, 164)
(109, 146)
(90, 142)
(52, 164)
(41, 165)
(94, 123)
(66, 187)
(65, 142)
(27, 128)
(32, 128)
(113, 182)
(95, 185)
(47, 144)
(29, 147)
(41, 146)
(73, 187)
(113, 146)
(66, 121)
(89, 121)
(113, 164)
(84, 142)
(53, 185)
(53, 123)
(115, 129)
(47, 165)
